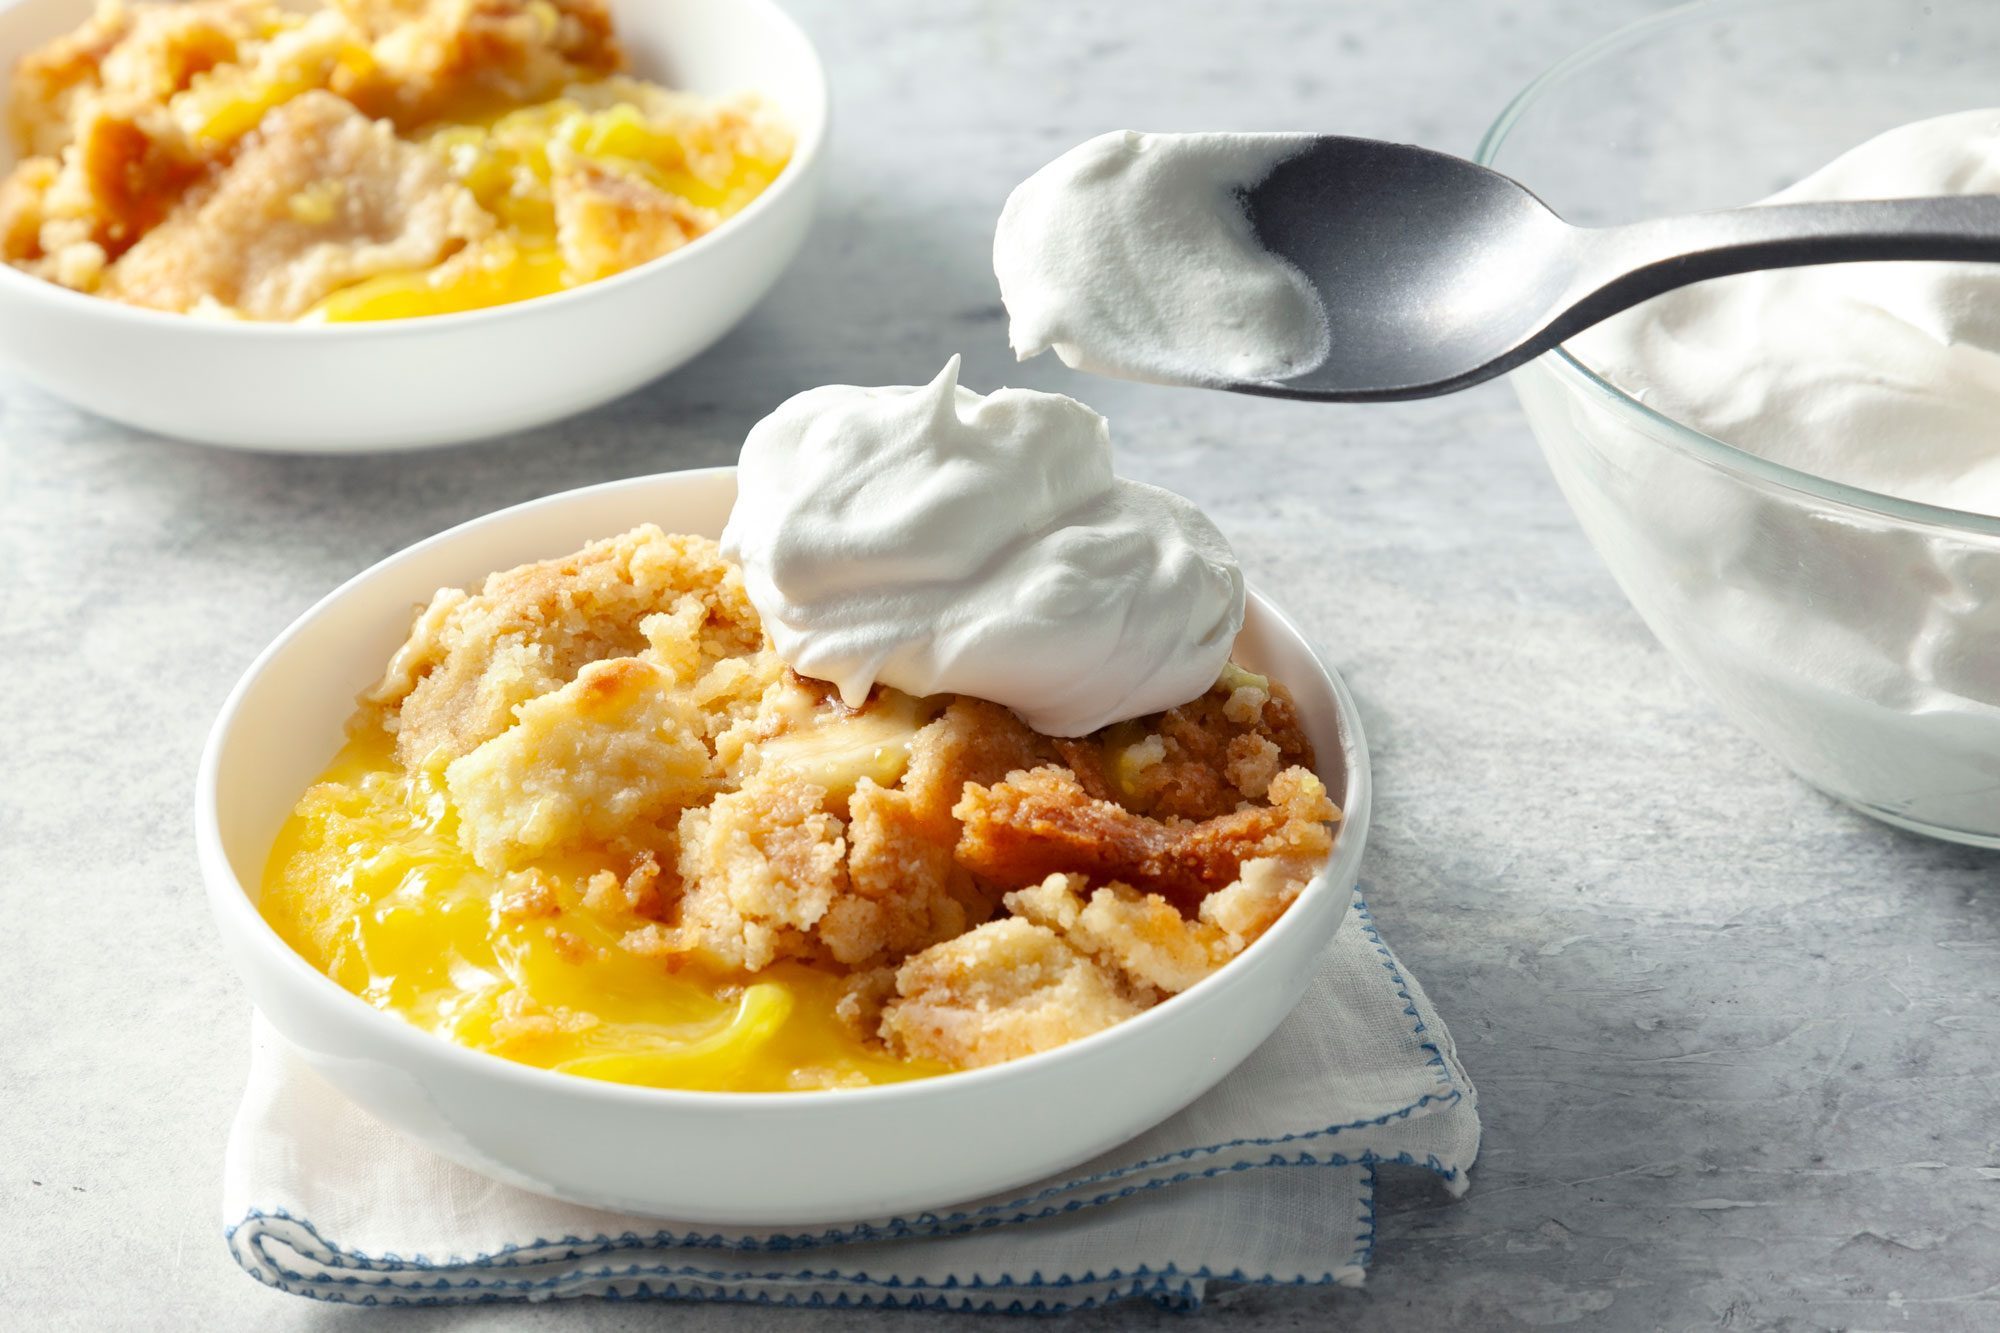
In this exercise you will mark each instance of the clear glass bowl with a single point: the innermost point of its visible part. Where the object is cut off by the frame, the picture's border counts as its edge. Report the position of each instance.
(1857, 636)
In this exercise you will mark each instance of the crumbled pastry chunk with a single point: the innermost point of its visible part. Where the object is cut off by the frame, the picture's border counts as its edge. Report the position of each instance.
(1252, 761)
(972, 741)
(1200, 760)
(770, 871)
(49, 81)
(749, 700)
(607, 221)
(905, 890)
(1042, 822)
(318, 198)
(433, 56)
(520, 1019)
(527, 897)
(674, 637)
(891, 779)
(1245, 705)
(147, 52)
(1147, 939)
(1265, 886)
(1143, 936)
(639, 892)
(119, 176)
(1004, 990)
(613, 752)
(1056, 902)
(106, 105)
(23, 208)
(472, 659)
(863, 995)
(759, 867)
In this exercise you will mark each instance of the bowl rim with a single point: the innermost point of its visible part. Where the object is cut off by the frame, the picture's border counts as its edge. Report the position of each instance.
(797, 173)
(229, 897)
(1706, 448)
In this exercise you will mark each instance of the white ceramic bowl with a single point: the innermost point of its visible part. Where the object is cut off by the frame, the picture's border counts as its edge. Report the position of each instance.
(446, 378)
(723, 1158)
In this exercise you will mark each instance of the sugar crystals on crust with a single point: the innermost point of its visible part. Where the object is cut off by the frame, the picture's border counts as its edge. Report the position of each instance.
(318, 198)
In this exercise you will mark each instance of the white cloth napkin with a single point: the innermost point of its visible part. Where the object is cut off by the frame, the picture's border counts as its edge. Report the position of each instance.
(321, 1200)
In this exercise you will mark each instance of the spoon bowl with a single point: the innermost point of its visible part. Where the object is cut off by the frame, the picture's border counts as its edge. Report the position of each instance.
(1436, 273)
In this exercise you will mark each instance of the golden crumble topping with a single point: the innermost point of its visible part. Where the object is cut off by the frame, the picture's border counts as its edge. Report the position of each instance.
(366, 159)
(647, 806)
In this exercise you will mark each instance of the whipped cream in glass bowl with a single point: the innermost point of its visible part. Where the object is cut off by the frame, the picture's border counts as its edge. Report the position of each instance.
(1795, 476)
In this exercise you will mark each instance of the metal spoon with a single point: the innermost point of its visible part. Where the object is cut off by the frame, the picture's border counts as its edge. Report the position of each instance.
(1437, 274)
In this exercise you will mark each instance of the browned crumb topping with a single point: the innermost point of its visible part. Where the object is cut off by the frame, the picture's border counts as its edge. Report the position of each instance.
(1040, 823)
(1199, 760)
(319, 197)
(987, 891)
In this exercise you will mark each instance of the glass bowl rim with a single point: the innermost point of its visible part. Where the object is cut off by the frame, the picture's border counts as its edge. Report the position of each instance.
(1707, 448)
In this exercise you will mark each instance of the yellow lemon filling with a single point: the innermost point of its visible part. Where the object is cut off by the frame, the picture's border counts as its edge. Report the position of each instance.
(368, 881)
(579, 193)
(498, 272)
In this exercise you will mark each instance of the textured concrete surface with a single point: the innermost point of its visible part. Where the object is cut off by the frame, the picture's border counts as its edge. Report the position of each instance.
(1737, 1044)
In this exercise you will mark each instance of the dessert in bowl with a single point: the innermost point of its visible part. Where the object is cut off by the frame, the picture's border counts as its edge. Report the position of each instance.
(1062, 1048)
(1793, 475)
(363, 160)
(383, 225)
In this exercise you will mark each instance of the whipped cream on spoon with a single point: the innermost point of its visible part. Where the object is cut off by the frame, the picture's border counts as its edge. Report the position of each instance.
(1131, 255)
(1432, 273)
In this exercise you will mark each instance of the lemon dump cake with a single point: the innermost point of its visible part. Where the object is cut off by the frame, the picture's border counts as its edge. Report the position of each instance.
(590, 820)
(368, 159)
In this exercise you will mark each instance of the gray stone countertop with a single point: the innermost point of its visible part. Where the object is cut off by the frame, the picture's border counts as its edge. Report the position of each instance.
(1736, 1045)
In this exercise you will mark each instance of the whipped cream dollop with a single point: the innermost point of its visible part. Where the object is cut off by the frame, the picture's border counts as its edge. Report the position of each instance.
(1883, 376)
(1131, 255)
(939, 541)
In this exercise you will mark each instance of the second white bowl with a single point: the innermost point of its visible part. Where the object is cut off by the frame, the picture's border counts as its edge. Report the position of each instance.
(747, 1159)
(443, 379)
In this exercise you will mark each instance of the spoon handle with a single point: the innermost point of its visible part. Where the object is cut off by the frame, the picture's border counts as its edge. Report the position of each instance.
(1622, 266)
